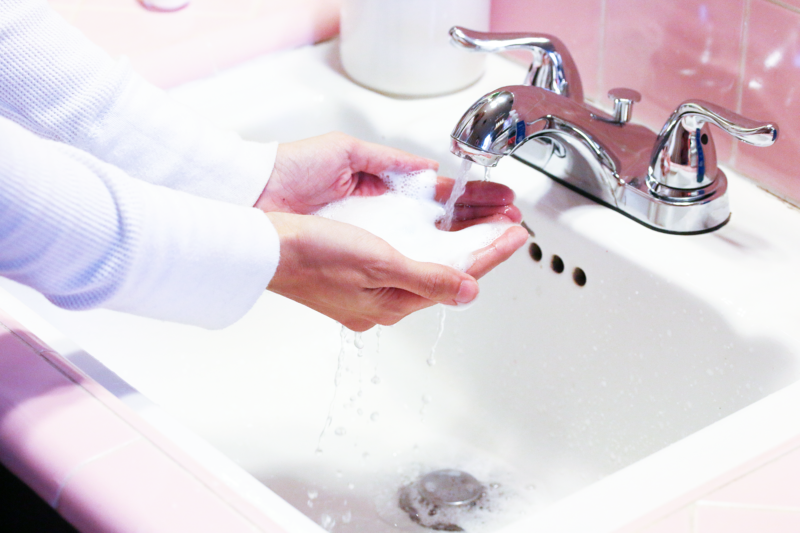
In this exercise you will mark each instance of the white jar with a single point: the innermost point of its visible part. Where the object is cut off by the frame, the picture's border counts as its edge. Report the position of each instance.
(402, 47)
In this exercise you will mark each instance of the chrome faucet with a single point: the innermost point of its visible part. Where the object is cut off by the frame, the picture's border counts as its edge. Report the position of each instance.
(667, 181)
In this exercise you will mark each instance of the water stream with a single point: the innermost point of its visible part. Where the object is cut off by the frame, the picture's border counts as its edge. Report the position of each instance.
(459, 187)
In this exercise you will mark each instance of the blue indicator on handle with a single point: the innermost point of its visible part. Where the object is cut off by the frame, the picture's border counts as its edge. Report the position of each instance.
(520, 131)
(701, 159)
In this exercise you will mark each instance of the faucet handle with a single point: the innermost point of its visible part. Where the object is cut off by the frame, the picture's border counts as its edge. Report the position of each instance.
(684, 156)
(623, 103)
(552, 68)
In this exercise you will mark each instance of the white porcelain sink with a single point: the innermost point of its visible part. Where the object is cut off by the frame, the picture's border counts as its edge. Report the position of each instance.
(589, 405)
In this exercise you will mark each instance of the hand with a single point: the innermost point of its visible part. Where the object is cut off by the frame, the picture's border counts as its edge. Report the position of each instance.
(359, 280)
(355, 277)
(349, 274)
(312, 173)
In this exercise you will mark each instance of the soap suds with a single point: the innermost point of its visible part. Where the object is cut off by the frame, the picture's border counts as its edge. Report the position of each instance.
(405, 217)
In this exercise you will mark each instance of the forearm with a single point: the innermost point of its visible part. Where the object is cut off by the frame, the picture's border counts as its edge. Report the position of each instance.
(59, 85)
(86, 235)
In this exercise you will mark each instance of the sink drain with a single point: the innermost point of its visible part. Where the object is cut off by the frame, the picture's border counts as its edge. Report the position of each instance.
(440, 499)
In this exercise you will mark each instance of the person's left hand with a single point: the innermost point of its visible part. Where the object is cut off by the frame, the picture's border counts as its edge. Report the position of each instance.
(312, 173)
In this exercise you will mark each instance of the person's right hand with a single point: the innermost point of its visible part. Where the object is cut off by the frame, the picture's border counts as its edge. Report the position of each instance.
(358, 279)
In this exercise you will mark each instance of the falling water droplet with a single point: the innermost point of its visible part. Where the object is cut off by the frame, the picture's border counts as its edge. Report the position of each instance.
(431, 358)
(327, 522)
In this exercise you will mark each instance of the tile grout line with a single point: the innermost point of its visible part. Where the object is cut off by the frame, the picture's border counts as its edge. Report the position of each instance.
(742, 68)
(601, 60)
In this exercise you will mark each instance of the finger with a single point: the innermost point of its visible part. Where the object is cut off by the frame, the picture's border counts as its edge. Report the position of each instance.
(476, 192)
(458, 225)
(375, 159)
(471, 215)
(497, 252)
(395, 304)
(434, 282)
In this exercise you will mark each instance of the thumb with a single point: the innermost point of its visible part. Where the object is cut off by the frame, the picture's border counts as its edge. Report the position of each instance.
(438, 283)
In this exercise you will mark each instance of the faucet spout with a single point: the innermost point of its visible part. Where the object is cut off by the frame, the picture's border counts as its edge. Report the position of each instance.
(491, 128)
(504, 120)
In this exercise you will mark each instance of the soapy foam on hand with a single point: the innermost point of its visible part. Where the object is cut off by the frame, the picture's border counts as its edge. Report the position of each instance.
(405, 217)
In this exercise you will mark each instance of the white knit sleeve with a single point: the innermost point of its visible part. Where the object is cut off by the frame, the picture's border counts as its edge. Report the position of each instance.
(58, 84)
(86, 235)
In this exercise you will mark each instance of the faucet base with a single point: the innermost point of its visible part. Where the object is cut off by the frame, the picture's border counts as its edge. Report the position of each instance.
(634, 200)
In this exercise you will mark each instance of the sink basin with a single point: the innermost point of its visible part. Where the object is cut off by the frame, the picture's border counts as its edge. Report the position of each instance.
(604, 370)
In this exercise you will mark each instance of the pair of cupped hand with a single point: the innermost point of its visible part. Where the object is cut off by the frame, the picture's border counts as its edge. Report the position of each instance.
(348, 273)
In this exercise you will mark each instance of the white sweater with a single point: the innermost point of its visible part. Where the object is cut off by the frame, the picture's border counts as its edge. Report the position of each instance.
(112, 195)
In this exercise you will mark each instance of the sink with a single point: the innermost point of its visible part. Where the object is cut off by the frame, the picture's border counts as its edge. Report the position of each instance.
(604, 370)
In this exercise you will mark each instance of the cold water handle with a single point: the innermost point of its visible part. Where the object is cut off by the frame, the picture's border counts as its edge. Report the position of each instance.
(684, 157)
(552, 68)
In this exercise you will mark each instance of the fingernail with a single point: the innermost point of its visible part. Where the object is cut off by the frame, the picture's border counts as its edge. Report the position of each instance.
(467, 291)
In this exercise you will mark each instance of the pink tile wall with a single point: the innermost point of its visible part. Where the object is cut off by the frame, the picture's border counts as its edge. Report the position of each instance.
(206, 36)
(741, 54)
(576, 23)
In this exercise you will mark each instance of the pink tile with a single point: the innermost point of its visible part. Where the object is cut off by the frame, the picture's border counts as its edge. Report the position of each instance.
(577, 23)
(134, 30)
(218, 6)
(674, 51)
(771, 92)
(773, 484)
(291, 26)
(67, 12)
(48, 424)
(723, 519)
(677, 522)
(138, 488)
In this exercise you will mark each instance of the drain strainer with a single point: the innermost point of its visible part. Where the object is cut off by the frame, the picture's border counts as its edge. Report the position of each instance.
(440, 499)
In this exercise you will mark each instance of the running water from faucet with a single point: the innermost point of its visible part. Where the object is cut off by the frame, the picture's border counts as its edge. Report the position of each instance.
(459, 187)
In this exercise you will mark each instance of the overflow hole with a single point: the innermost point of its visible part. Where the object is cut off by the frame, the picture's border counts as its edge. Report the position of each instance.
(557, 264)
(704, 139)
(579, 277)
(535, 252)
